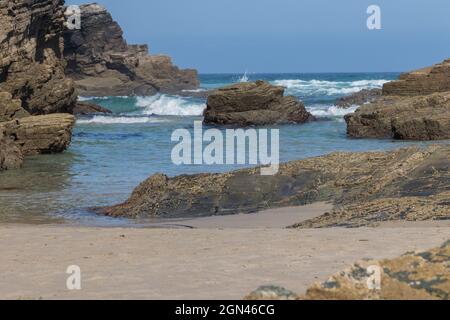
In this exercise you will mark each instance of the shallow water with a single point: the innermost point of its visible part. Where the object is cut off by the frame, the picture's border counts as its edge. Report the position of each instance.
(111, 155)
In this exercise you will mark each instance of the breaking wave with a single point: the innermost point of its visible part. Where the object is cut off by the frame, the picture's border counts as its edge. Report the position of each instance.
(119, 120)
(165, 105)
(328, 88)
(330, 111)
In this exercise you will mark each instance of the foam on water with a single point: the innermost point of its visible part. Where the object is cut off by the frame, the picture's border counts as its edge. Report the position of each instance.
(330, 111)
(330, 88)
(119, 120)
(165, 105)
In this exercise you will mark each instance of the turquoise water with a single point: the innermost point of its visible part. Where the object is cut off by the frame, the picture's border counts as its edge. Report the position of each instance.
(110, 155)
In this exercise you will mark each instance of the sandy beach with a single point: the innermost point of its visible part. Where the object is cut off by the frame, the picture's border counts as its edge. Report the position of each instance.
(215, 258)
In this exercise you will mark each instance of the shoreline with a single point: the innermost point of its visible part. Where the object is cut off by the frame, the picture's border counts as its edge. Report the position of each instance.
(222, 258)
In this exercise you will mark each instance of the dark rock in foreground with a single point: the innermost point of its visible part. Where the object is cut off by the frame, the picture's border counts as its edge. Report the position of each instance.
(421, 82)
(84, 108)
(10, 155)
(405, 118)
(412, 184)
(103, 64)
(40, 134)
(360, 98)
(254, 103)
(414, 276)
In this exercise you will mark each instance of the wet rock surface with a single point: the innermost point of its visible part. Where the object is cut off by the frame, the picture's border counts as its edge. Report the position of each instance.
(417, 178)
(254, 103)
(103, 64)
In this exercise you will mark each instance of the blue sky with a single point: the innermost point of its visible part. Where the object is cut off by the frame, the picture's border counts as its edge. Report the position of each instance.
(288, 35)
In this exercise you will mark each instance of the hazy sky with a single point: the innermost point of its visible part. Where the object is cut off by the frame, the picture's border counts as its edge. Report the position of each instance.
(288, 35)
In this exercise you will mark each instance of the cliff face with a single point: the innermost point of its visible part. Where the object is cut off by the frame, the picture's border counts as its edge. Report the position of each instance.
(103, 64)
(31, 61)
(33, 84)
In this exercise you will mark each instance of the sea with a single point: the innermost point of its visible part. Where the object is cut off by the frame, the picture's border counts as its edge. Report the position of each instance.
(111, 154)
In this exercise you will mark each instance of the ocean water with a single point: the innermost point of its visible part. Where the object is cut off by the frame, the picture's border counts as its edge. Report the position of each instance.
(110, 155)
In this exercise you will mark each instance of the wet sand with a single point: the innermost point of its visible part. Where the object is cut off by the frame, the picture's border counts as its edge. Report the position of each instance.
(222, 258)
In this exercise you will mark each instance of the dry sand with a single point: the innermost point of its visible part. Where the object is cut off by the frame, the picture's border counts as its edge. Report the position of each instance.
(223, 258)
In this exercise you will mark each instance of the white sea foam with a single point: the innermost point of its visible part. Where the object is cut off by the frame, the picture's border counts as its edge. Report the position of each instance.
(119, 120)
(330, 88)
(81, 98)
(165, 105)
(330, 111)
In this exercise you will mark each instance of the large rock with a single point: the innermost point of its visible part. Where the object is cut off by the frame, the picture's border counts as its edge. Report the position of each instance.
(31, 50)
(40, 134)
(254, 103)
(406, 118)
(419, 178)
(103, 64)
(10, 155)
(421, 82)
(414, 276)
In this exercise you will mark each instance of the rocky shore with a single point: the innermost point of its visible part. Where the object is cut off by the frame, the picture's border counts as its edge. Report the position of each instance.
(415, 188)
(416, 107)
(413, 276)
(254, 103)
(35, 95)
(102, 63)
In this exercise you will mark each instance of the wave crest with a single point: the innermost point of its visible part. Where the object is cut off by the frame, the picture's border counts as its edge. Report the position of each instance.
(164, 105)
(329, 88)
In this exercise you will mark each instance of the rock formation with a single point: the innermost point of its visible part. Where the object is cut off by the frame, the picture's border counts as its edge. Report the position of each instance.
(406, 118)
(103, 64)
(40, 134)
(416, 187)
(414, 108)
(413, 276)
(85, 108)
(31, 48)
(421, 82)
(10, 155)
(33, 85)
(254, 103)
(359, 98)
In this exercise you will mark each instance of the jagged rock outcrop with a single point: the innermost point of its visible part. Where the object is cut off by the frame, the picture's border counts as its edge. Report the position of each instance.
(10, 155)
(419, 179)
(103, 64)
(406, 118)
(359, 98)
(40, 134)
(421, 82)
(85, 108)
(413, 276)
(31, 56)
(254, 103)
